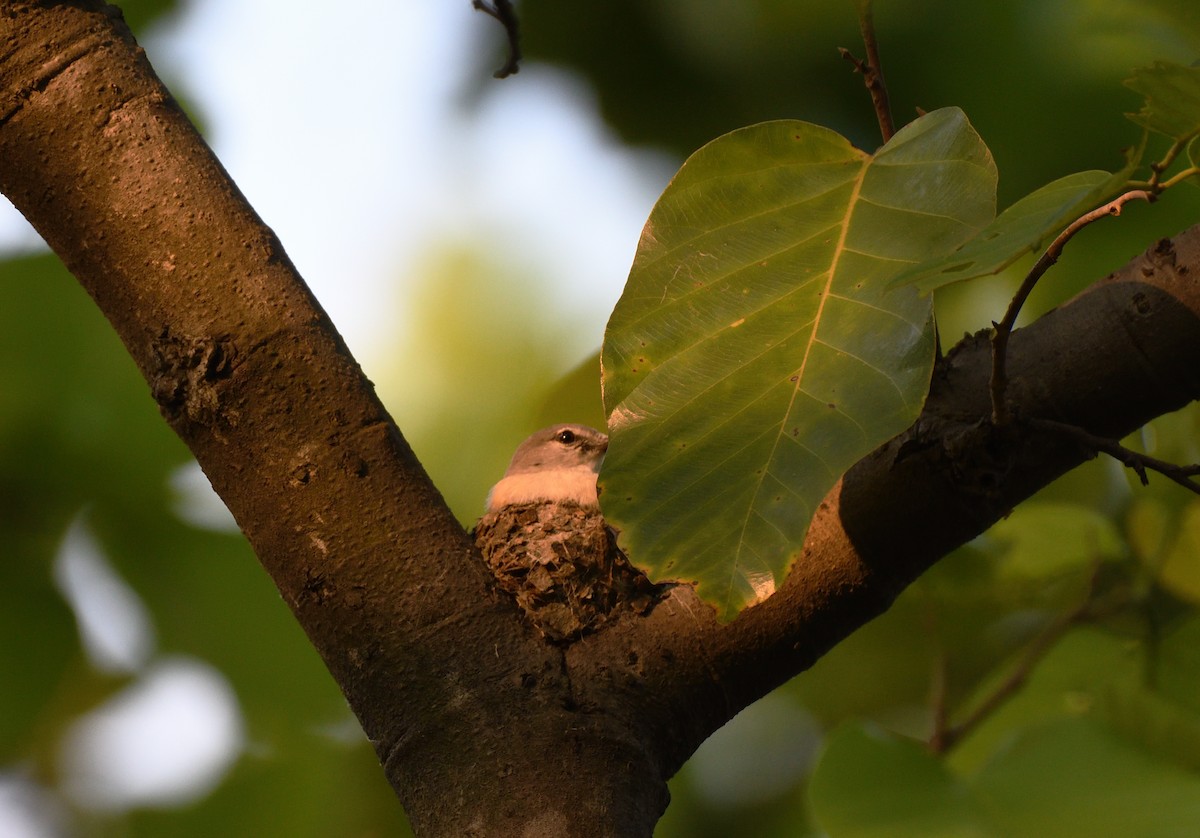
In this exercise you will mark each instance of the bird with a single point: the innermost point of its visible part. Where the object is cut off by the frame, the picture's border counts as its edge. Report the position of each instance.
(547, 544)
(556, 464)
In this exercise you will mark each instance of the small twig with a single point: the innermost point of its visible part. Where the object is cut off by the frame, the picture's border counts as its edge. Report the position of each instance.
(872, 70)
(1157, 168)
(939, 698)
(1179, 177)
(503, 11)
(947, 737)
(1139, 463)
(999, 380)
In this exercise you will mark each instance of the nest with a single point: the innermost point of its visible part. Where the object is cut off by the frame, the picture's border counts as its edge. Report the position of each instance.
(561, 563)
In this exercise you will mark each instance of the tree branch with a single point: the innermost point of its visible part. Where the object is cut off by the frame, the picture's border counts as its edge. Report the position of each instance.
(1140, 463)
(872, 70)
(442, 673)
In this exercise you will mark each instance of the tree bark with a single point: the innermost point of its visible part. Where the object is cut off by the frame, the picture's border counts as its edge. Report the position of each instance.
(443, 674)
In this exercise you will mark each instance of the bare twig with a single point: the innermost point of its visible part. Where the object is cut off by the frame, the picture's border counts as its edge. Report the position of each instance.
(1139, 463)
(503, 11)
(872, 70)
(999, 380)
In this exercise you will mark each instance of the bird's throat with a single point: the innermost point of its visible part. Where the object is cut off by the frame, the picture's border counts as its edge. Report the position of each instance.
(577, 484)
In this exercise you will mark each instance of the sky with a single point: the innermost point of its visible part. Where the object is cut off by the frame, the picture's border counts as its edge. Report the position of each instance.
(354, 137)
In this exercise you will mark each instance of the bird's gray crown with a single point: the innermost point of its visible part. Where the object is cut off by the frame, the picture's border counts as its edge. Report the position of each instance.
(559, 447)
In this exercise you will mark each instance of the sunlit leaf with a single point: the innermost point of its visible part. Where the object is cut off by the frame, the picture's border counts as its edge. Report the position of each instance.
(756, 354)
(1022, 228)
(1172, 94)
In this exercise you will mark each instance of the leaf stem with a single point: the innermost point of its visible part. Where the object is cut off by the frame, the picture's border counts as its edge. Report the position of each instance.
(1179, 177)
(1002, 330)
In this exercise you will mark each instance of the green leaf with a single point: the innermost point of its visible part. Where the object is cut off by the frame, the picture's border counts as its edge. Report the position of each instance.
(1022, 228)
(1128, 772)
(870, 783)
(1044, 539)
(756, 354)
(1074, 778)
(1172, 94)
(1179, 569)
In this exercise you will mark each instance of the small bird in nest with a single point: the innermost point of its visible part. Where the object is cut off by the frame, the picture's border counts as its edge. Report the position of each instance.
(547, 543)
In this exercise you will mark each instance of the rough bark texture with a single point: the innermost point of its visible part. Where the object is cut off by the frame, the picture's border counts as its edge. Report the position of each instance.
(444, 673)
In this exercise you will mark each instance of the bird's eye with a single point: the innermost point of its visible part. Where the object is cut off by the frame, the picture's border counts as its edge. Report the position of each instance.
(566, 437)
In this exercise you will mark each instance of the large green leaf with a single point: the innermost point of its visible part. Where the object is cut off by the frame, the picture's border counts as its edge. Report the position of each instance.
(1073, 777)
(1067, 777)
(872, 783)
(1020, 229)
(756, 353)
(1172, 94)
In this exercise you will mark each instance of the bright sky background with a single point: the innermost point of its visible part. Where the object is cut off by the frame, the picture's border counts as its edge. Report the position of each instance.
(352, 136)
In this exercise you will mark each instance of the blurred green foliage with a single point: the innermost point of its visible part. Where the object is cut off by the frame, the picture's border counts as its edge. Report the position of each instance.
(1114, 703)
(79, 433)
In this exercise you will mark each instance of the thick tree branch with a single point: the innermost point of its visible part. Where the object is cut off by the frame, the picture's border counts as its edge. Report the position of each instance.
(442, 672)
(249, 371)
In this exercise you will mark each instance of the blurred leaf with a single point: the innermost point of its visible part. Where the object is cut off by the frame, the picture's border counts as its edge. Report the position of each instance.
(1154, 724)
(1172, 94)
(78, 429)
(1179, 570)
(691, 71)
(139, 14)
(1063, 776)
(1072, 679)
(1073, 778)
(40, 645)
(755, 355)
(1047, 539)
(576, 396)
(1148, 526)
(1177, 665)
(870, 783)
(1022, 228)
